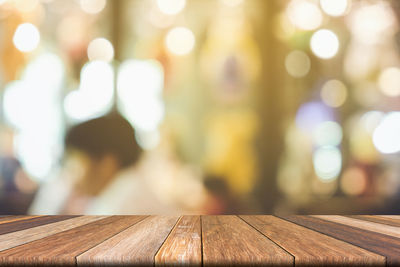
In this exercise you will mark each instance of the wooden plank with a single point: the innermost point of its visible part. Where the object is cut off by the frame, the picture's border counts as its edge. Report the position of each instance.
(310, 247)
(183, 245)
(137, 245)
(14, 218)
(375, 242)
(395, 217)
(14, 239)
(377, 219)
(62, 248)
(228, 240)
(19, 225)
(370, 226)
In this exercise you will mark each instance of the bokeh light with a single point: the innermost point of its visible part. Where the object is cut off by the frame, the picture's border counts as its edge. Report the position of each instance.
(25, 6)
(389, 81)
(232, 3)
(26, 37)
(371, 119)
(372, 23)
(171, 7)
(139, 86)
(148, 140)
(324, 44)
(201, 82)
(334, 8)
(312, 114)
(334, 93)
(361, 146)
(95, 94)
(92, 6)
(327, 162)
(100, 49)
(386, 136)
(328, 133)
(353, 181)
(180, 41)
(297, 63)
(14, 99)
(304, 14)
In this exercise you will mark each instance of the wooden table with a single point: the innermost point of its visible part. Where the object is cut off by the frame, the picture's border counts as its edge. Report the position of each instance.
(199, 240)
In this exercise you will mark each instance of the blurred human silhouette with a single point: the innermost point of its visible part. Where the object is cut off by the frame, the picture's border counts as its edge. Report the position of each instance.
(221, 200)
(101, 173)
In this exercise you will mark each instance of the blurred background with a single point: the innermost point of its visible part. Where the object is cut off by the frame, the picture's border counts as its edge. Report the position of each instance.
(234, 106)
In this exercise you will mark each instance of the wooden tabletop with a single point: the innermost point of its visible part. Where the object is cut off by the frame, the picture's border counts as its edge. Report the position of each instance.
(200, 240)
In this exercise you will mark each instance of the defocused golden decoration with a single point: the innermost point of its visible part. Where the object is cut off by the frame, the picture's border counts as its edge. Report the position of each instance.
(229, 151)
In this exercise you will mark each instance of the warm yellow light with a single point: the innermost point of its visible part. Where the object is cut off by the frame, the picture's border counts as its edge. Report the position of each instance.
(180, 41)
(389, 81)
(324, 44)
(335, 8)
(171, 7)
(26, 37)
(92, 6)
(26, 6)
(304, 14)
(334, 93)
(297, 63)
(100, 49)
(232, 3)
(372, 23)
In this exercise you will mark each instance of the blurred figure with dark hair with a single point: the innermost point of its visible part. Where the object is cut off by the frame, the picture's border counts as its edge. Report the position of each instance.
(101, 173)
(221, 200)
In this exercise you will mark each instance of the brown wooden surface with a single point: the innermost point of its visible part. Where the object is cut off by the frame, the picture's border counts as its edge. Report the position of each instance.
(310, 247)
(396, 217)
(12, 218)
(14, 239)
(136, 245)
(378, 219)
(19, 225)
(183, 245)
(370, 226)
(199, 240)
(230, 240)
(385, 245)
(62, 248)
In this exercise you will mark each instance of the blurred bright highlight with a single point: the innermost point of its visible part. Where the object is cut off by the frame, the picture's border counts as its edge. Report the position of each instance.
(387, 135)
(26, 37)
(324, 44)
(100, 49)
(180, 41)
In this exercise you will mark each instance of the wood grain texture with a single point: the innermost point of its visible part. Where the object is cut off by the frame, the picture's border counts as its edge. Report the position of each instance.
(19, 225)
(375, 242)
(310, 247)
(12, 218)
(377, 219)
(231, 241)
(137, 245)
(62, 248)
(370, 226)
(183, 245)
(14, 239)
(395, 217)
